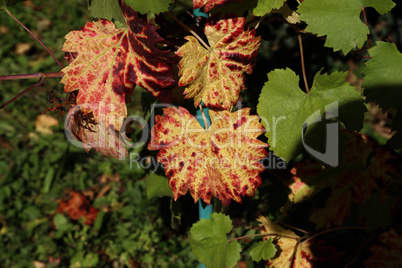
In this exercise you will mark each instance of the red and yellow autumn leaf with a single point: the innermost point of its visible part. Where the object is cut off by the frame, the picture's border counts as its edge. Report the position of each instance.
(292, 253)
(215, 75)
(90, 134)
(221, 161)
(210, 4)
(108, 63)
(300, 189)
(387, 255)
(78, 206)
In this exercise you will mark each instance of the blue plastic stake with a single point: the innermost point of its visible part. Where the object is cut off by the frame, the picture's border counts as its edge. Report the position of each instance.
(204, 212)
(199, 13)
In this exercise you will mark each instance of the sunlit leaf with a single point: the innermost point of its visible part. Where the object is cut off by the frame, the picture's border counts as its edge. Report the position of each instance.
(285, 108)
(221, 161)
(216, 75)
(266, 6)
(208, 240)
(263, 250)
(340, 20)
(111, 61)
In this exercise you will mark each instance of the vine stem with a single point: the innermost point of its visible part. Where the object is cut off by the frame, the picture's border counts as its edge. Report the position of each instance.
(295, 228)
(23, 92)
(203, 116)
(270, 234)
(333, 230)
(365, 21)
(31, 76)
(302, 62)
(188, 29)
(34, 36)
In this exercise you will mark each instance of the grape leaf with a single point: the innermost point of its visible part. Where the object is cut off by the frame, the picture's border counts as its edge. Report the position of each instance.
(111, 61)
(340, 20)
(266, 6)
(303, 189)
(387, 255)
(270, 227)
(364, 167)
(303, 257)
(383, 82)
(210, 4)
(284, 108)
(288, 244)
(106, 9)
(152, 6)
(216, 75)
(293, 253)
(209, 243)
(8, 3)
(221, 161)
(157, 186)
(263, 250)
(288, 14)
(103, 139)
(382, 6)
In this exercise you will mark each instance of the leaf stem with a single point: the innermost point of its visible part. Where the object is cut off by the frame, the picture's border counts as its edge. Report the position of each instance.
(23, 92)
(37, 39)
(203, 116)
(365, 21)
(269, 234)
(188, 29)
(302, 62)
(333, 230)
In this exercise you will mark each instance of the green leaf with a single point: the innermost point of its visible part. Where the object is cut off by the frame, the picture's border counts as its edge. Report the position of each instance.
(209, 243)
(61, 222)
(8, 3)
(152, 6)
(263, 250)
(285, 108)
(340, 20)
(383, 84)
(265, 6)
(157, 186)
(106, 9)
(48, 180)
(99, 220)
(382, 6)
(90, 260)
(383, 76)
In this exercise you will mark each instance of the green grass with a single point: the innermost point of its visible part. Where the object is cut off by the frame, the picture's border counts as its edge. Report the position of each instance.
(39, 170)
